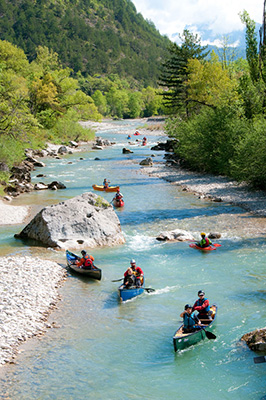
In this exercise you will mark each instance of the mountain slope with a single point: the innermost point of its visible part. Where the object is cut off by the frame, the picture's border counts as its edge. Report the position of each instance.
(91, 36)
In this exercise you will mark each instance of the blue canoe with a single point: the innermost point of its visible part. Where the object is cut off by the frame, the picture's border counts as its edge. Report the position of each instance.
(127, 294)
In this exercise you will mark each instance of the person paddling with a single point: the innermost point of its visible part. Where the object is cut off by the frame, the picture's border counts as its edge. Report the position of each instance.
(105, 183)
(205, 241)
(118, 197)
(129, 278)
(86, 262)
(137, 271)
(190, 320)
(202, 305)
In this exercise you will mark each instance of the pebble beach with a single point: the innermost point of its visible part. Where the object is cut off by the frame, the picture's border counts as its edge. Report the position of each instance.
(28, 288)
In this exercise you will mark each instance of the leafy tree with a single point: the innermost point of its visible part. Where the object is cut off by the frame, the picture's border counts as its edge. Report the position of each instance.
(135, 104)
(209, 84)
(100, 102)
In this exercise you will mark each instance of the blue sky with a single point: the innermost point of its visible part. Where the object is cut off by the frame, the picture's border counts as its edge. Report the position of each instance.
(220, 17)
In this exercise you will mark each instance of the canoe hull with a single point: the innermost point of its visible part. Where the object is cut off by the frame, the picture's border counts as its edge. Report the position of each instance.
(127, 294)
(90, 273)
(182, 341)
(119, 203)
(209, 248)
(109, 189)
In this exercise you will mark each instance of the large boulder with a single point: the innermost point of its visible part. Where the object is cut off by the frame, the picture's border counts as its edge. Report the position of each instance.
(178, 235)
(83, 221)
(256, 340)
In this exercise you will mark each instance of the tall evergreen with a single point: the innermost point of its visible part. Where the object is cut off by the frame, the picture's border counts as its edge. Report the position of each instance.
(174, 70)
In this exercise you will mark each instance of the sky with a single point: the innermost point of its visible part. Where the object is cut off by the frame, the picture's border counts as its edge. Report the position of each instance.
(220, 17)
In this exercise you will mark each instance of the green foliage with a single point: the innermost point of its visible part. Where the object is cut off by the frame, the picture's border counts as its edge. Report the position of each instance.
(93, 37)
(251, 46)
(101, 202)
(207, 140)
(67, 128)
(249, 162)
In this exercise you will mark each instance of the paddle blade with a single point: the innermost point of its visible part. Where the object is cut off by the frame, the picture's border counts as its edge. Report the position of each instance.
(210, 335)
(118, 280)
(259, 360)
(216, 245)
(149, 290)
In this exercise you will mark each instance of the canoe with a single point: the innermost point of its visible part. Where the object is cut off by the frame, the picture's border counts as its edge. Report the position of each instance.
(126, 294)
(118, 203)
(109, 189)
(182, 340)
(211, 247)
(90, 273)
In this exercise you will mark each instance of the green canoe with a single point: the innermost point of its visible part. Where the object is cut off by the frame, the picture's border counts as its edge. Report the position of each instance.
(182, 340)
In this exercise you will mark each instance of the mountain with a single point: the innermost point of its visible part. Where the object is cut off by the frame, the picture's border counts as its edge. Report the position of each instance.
(235, 41)
(91, 36)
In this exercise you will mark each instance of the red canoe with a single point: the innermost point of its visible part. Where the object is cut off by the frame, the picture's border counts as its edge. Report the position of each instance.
(118, 203)
(211, 247)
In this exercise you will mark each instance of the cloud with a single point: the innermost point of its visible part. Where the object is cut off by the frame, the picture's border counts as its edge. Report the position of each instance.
(219, 16)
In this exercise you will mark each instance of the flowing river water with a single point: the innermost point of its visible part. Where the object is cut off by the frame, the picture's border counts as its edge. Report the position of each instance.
(103, 349)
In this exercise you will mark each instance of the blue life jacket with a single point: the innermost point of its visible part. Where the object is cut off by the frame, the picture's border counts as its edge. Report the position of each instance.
(189, 321)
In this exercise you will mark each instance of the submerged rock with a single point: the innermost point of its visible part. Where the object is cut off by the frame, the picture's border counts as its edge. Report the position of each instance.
(178, 235)
(256, 340)
(83, 221)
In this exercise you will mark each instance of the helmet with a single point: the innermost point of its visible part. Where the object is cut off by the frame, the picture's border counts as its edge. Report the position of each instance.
(200, 292)
(118, 190)
(83, 252)
(187, 306)
(132, 261)
(203, 234)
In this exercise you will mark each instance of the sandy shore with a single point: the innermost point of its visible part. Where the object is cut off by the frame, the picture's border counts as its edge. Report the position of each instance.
(28, 288)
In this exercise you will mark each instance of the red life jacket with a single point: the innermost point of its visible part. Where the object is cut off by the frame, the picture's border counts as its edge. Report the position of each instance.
(88, 262)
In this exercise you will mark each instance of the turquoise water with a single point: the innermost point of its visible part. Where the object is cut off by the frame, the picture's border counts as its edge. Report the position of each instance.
(106, 350)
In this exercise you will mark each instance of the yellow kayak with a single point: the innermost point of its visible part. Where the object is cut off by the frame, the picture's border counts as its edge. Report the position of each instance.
(109, 189)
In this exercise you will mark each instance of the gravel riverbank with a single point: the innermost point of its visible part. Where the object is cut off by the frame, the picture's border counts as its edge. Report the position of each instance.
(28, 288)
(215, 188)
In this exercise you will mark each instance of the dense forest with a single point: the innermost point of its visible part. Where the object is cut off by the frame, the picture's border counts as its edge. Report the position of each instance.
(91, 36)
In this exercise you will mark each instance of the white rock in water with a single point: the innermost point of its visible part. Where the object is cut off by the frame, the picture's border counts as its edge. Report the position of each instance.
(175, 235)
(83, 221)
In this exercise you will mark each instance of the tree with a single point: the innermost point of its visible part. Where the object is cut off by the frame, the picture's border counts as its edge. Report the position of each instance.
(251, 46)
(174, 70)
(209, 84)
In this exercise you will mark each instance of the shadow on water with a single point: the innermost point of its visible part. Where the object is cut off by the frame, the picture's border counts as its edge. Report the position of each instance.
(112, 301)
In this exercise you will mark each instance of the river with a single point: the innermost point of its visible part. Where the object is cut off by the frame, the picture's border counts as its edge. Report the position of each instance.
(106, 350)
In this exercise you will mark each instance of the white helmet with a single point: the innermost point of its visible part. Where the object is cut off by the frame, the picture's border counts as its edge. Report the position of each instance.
(132, 261)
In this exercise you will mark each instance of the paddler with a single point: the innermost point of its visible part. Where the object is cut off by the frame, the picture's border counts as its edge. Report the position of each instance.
(137, 271)
(105, 183)
(190, 320)
(86, 262)
(205, 241)
(202, 305)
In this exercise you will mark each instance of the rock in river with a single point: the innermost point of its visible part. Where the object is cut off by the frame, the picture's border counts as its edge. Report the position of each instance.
(83, 221)
(256, 340)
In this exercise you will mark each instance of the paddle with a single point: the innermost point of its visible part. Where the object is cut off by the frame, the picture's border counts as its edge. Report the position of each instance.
(209, 335)
(148, 289)
(259, 360)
